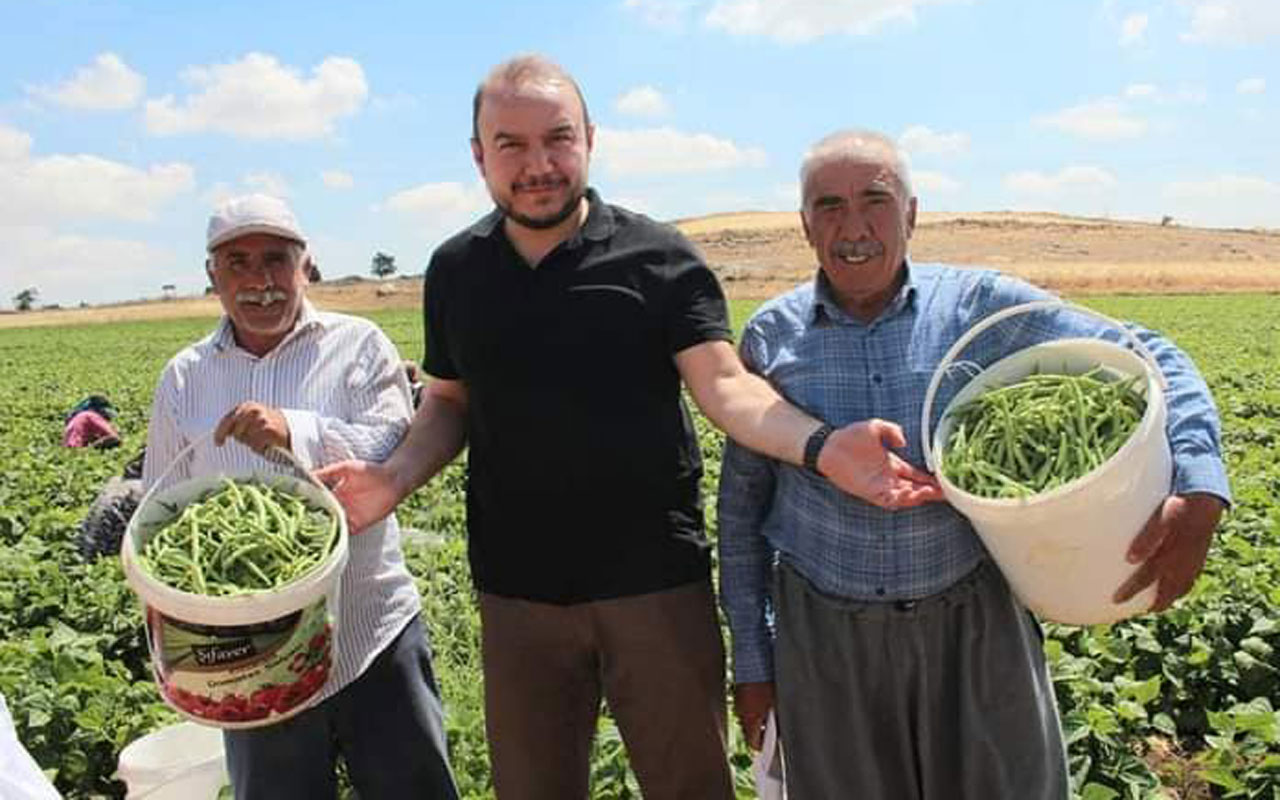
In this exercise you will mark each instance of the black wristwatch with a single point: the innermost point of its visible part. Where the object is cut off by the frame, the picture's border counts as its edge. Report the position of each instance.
(813, 446)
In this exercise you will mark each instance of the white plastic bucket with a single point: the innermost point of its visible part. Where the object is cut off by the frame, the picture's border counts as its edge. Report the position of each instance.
(1063, 551)
(180, 762)
(247, 660)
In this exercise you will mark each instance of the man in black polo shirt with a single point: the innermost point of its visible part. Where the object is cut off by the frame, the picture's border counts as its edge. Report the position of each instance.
(559, 331)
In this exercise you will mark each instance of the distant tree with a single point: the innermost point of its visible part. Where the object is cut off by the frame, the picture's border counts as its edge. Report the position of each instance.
(25, 299)
(169, 291)
(383, 265)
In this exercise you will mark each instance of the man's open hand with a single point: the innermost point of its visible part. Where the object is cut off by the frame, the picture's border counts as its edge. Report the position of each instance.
(857, 459)
(366, 490)
(1172, 548)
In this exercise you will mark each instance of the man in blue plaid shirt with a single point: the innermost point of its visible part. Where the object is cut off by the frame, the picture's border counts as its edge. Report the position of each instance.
(902, 667)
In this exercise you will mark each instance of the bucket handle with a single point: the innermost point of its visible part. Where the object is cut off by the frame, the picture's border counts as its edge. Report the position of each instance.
(945, 365)
(275, 454)
(126, 552)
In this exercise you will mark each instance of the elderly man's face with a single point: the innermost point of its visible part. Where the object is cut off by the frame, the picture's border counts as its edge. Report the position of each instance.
(261, 280)
(533, 151)
(858, 220)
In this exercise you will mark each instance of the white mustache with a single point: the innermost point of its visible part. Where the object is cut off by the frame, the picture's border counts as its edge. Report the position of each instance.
(263, 298)
(859, 249)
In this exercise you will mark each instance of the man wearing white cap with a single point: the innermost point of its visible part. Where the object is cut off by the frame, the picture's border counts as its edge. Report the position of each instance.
(327, 387)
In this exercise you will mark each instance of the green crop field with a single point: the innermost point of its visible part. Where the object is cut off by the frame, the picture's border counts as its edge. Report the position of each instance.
(1182, 705)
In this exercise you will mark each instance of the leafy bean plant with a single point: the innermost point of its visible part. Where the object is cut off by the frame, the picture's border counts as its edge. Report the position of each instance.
(1177, 705)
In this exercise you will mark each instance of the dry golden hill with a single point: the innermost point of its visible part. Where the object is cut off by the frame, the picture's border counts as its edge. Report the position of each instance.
(758, 254)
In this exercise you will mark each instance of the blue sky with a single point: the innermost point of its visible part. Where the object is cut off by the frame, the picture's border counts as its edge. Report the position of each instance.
(121, 124)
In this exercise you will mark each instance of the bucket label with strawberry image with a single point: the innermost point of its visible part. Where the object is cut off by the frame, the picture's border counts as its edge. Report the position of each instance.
(243, 675)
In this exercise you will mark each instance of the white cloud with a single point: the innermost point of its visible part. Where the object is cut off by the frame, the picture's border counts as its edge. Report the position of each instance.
(108, 84)
(61, 187)
(1068, 180)
(1251, 86)
(1133, 29)
(257, 97)
(337, 179)
(15, 145)
(1226, 200)
(449, 199)
(1195, 95)
(271, 183)
(429, 212)
(1106, 119)
(219, 193)
(667, 14)
(1185, 94)
(926, 182)
(922, 140)
(1233, 22)
(642, 101)
(70, 268)
(664, 151)
(793, 21)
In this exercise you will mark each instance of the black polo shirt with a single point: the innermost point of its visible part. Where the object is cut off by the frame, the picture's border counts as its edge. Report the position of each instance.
(583, 467)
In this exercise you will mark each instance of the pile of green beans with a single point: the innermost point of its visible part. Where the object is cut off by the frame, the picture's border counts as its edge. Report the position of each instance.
(1039, 433)
(240, 538)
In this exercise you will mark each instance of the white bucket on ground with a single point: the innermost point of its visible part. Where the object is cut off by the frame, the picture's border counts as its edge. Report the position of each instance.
(241, 661)
(1063, 551)
(180, 762)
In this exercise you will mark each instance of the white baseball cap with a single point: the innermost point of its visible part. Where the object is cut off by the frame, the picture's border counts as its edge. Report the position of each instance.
(252, 213)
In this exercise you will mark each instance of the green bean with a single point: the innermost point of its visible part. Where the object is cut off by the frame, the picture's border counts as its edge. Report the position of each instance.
(240, 538)
(1039, 433)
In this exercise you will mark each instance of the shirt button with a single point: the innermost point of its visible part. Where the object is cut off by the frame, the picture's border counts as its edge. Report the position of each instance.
(876, 378)
(880, 590)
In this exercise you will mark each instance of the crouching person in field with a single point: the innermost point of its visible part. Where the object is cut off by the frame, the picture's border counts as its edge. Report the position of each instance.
(900, 665)
(277, 372)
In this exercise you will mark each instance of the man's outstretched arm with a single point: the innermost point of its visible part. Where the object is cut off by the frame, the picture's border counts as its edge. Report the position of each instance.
(856, 458)
(370, 491)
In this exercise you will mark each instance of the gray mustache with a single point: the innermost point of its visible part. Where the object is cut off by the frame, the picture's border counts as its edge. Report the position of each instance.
(261, 298)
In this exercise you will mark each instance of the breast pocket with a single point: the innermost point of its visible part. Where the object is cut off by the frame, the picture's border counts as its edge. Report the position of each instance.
(607, 325)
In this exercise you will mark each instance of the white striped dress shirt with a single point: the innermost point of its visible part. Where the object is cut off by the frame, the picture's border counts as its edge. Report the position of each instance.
(340, 384)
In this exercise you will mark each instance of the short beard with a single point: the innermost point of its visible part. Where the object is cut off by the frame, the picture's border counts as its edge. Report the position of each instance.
(544, 223)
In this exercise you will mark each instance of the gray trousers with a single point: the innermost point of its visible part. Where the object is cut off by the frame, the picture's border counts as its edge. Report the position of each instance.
(944, 698)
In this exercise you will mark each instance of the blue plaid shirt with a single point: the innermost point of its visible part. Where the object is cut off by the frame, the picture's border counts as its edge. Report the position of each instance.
(842, 370)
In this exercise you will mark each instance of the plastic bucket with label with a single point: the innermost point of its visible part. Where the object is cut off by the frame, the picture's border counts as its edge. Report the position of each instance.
(246, 660)
(1063, 551)
(181, 762)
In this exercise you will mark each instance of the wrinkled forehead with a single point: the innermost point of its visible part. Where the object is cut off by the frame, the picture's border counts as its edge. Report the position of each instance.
(852, 173)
